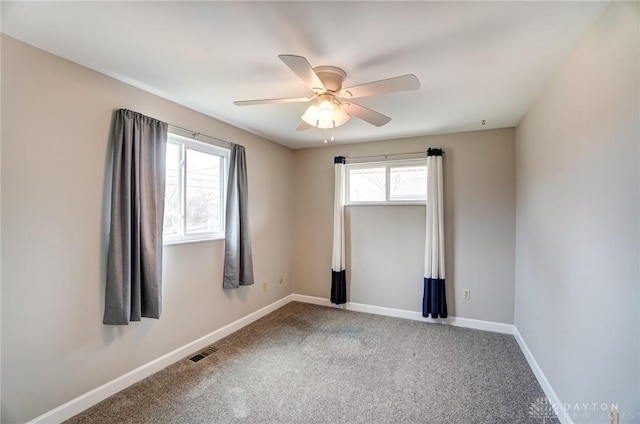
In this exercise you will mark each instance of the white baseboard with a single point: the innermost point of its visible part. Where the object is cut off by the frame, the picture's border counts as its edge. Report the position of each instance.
(542, 379)
(87, 400)
(495, 327)
(314, 300)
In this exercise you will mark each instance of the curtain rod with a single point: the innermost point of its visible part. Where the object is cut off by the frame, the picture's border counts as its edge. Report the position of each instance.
(194, 134)
(373, 158)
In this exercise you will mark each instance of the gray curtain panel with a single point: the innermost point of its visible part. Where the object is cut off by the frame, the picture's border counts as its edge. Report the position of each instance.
(134, 265)
(238, 262)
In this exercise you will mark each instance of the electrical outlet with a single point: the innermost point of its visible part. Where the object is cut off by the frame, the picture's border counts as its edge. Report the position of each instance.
(264, 286)
(281, 280)
(613, 415)
(466, 294)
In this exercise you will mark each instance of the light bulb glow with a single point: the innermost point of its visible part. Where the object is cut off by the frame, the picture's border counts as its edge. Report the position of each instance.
(340, 115)
(326, 113)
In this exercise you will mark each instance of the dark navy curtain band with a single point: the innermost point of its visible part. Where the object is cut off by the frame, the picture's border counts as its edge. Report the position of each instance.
(434, 300)
(338, 287)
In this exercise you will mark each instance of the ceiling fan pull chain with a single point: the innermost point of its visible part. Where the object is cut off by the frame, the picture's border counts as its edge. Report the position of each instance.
(333, 127)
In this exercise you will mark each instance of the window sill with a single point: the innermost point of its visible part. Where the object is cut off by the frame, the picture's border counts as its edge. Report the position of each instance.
(192, 240)
(416, 203)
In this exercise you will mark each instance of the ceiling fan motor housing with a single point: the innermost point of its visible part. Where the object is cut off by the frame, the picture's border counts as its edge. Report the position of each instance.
(331, 76)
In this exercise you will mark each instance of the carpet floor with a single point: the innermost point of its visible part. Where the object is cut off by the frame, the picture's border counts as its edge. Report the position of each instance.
(312, 364)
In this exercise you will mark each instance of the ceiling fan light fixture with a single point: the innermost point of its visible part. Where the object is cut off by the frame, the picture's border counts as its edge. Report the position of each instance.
(340, 115)
(325, 114)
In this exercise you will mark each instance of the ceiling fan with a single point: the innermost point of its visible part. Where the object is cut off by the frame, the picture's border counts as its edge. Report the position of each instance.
(332, 105)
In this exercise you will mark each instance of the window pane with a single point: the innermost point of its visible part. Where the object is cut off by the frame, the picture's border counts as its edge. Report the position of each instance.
(408, 183)
(367, 185)
(172, 191)
(203, 192)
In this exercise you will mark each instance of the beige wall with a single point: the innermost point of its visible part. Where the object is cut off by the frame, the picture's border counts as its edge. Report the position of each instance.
(385, 265)
(577, 277)
(0, 231)
(56, 117)
(479, 227)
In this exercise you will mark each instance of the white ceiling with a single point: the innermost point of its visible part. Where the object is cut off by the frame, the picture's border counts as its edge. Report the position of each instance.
(475, 60)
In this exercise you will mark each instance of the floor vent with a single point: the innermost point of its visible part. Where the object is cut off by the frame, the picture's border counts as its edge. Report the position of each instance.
(208, 351)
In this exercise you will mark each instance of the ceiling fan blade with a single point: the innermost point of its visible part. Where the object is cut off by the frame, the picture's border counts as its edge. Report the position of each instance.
(366, 114)
(301, 67)
(267, 101)
(390, 85)
(302, 126)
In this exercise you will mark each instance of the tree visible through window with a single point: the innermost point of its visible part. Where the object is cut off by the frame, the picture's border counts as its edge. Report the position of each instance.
(367, 184)
(203, 192)
(194, 191)
(408, 183)
(387, 182)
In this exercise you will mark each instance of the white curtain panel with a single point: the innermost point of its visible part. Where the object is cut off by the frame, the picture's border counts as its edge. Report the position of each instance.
(434, 301)
(338, 274)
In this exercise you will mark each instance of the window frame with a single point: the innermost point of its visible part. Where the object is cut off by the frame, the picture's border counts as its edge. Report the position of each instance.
(185, 144)
(387, 165)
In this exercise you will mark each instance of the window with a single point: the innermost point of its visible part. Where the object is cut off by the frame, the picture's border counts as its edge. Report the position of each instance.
(194, 190)
(391, 182)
